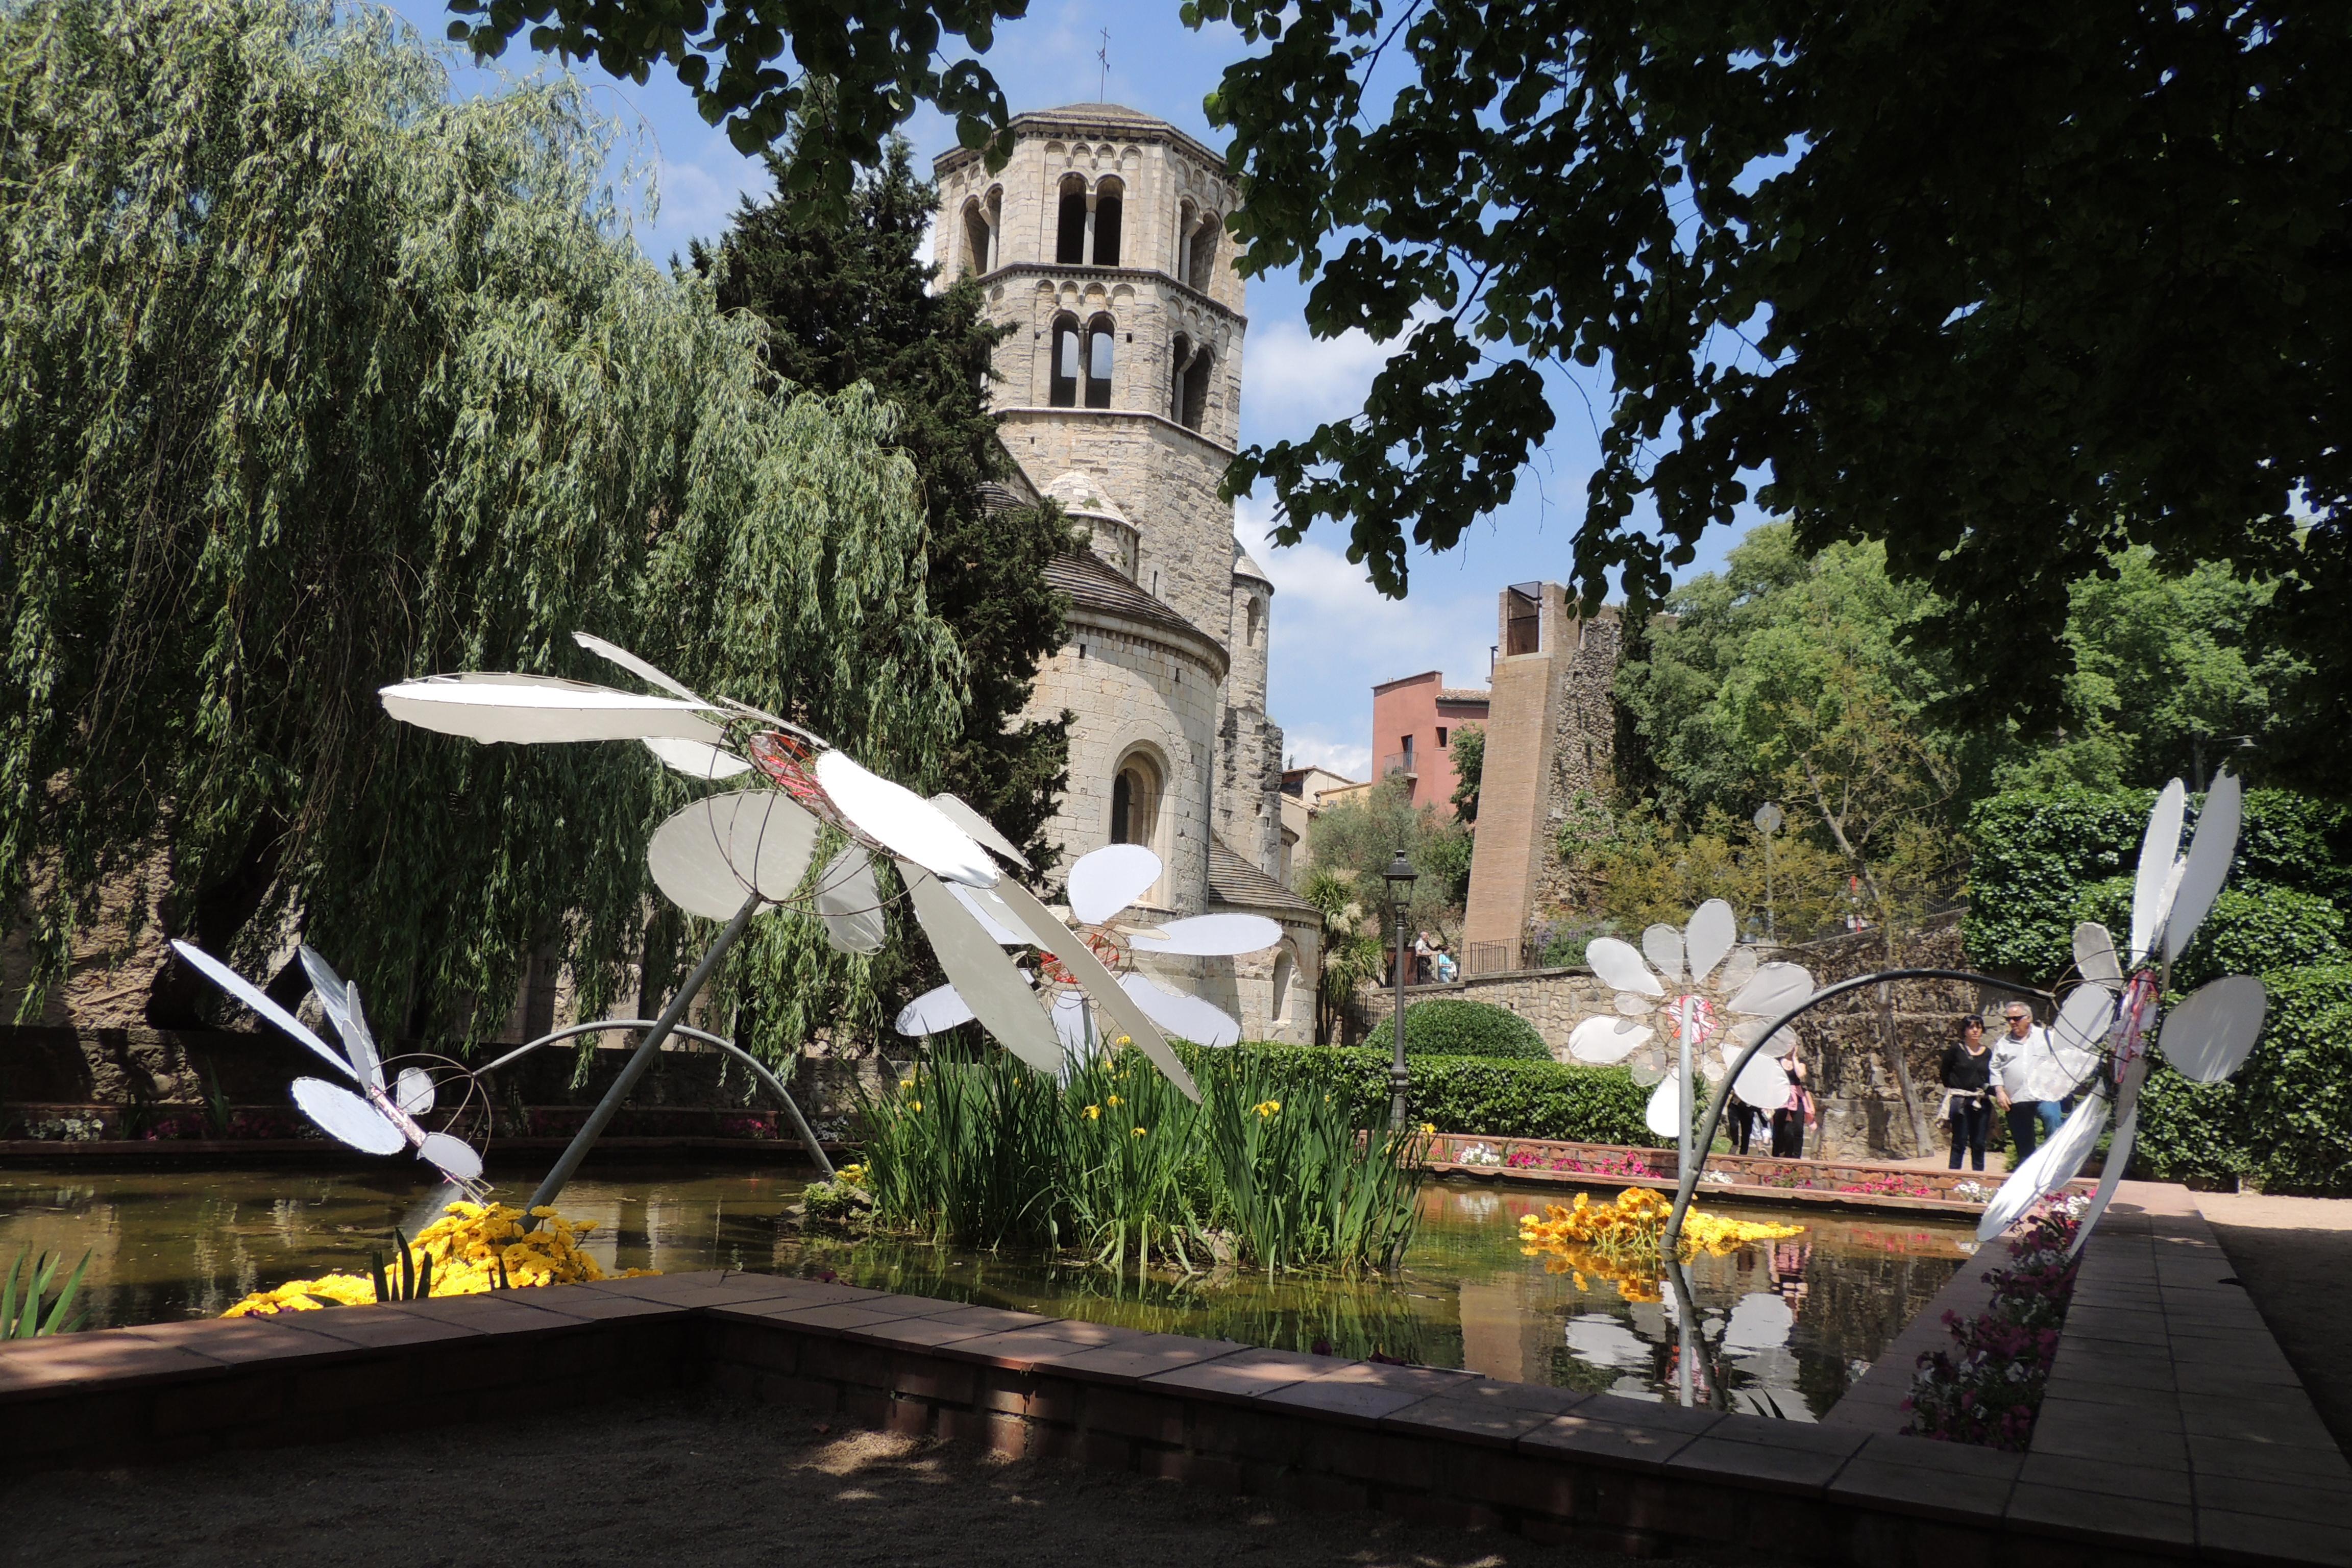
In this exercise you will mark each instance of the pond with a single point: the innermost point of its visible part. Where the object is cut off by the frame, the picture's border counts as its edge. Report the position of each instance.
(1789, 1325)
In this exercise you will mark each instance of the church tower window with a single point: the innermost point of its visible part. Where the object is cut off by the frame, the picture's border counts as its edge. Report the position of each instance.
(1110, 199)
(976, 237)
(1099, 333)
(1179, 354)
(1063, 392)
(1070, 233)
(1196, 390)
(1202, 270)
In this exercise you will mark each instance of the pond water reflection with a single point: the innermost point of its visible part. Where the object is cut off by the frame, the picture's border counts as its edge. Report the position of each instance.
(1788, 1324)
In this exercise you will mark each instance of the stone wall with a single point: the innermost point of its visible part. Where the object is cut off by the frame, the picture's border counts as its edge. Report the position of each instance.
(1554, 1000)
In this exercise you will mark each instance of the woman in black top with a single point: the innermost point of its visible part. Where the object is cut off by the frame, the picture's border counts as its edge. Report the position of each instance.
(1968, 1074)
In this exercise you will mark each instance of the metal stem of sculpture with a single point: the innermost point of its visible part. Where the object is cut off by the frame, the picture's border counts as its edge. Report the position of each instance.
(568, 1162)
(1671, 1240)
(1683, 1061)
(759, 1069)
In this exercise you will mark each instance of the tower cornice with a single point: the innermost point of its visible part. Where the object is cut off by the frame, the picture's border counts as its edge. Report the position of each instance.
(1150, 274)
(1110, 121)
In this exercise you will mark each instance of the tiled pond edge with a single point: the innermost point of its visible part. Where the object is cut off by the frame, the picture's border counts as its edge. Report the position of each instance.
(1446, 1447)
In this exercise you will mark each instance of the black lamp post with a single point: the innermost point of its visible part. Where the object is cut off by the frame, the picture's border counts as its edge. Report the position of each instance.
(1399, 876)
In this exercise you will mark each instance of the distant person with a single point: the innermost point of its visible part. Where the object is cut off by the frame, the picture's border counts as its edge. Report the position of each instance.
(1446, 968)
(1788, 1122)
(1967, 1074)
(1423, 950)
(1744, 1118)
(2028, 1081)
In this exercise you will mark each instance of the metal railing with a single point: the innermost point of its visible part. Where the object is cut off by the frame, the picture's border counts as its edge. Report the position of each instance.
(1396, 762)
(1488, 957)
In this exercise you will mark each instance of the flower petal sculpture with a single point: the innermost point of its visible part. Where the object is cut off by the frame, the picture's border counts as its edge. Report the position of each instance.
(2206, 1038)
(750, 849)
(1720, 1011)
(1103, 884)
(382, 1118)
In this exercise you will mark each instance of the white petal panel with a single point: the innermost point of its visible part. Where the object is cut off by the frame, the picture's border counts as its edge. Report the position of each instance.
(1631, 1005)
(1762, 1083)
(1107, 881)
(340, 1003)
(1120, 1009)
(696, 759)
(237, 985)
(1645, 1068)
(997, 994)
(1663, 946)
(1776, 988)
(1712, 931)
(1604, 1041)
(642, 668)
(935, 1012)
(2079, 1033)
(712, 855)
(1185, 1017)
(1737, 971)
(528, 710)
(2209, 853)
(2206, 1038)
(2048, 1168)
(346, 1118)
(903, 822)
(1618, 965)
(849, 903)
(2095, 955)
(2119, 1153)
(1001, 924)
(1212, 936)
(1070, 1025)
(980, 827)
(457, 1158)
(2158, 850)
(414, 1093)
(1664, 1112)
(1782, 1042)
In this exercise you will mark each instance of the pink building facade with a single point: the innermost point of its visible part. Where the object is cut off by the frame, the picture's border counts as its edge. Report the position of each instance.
(1413, 722)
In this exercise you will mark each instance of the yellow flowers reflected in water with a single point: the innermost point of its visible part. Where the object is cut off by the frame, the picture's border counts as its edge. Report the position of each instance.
(1620, 1241)
(467, 1246)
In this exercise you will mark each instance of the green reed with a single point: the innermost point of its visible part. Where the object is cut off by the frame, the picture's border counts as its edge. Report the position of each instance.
(1267, 1170)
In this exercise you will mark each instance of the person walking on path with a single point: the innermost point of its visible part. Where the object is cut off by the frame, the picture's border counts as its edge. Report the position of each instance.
(2028, 1081)
(1966, 1075)
(1788, 1122)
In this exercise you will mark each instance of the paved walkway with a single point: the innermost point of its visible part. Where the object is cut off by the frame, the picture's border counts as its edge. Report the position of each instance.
(2295, 1258)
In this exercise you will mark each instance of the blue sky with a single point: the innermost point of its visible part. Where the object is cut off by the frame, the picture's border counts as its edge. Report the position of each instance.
(1334, 636)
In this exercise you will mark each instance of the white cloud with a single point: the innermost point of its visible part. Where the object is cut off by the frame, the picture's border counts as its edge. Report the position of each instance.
(1309, 749)
(1295, 380)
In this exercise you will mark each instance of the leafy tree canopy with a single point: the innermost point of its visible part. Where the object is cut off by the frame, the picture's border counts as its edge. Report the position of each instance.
(318, 380)
(2005, 290)
(1357, 838)
(847, 297)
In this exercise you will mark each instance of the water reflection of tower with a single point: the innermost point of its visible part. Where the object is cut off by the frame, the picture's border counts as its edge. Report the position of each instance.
(1789, 1260)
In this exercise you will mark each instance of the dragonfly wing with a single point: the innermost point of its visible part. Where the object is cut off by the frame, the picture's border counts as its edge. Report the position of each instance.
(984, 977)
(1107, 881)
(415, 1095)
(980, 827)
(2159, 849)
(1096, 981)
(849, 903)
(1211, 936)
(2206, 1038)
(245, 991)
(696, 759)
(347, 1119)
(939, 1009)
(642, 670)
(457, 1158)
(2210, 849)
(1186, 1017)
(528, 710)
(904, 823)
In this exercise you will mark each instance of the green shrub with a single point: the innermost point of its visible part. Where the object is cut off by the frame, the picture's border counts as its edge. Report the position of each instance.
(2284, 1122)
(2254, 929)
(1449, 1026)
(1499, 1097)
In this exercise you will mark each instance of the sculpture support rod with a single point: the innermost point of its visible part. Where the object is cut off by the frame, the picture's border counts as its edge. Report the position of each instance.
(1670, 1242)
(568, 1162)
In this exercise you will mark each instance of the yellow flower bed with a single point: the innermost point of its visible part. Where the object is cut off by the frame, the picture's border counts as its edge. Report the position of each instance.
(465, 1245)
(1620, 1241)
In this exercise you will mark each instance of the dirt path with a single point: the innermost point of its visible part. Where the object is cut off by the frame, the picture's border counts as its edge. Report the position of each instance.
(696, 1480)
(2295, 1256)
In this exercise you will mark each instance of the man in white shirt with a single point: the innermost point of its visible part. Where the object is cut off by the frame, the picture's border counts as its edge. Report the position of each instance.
(2030, 1080)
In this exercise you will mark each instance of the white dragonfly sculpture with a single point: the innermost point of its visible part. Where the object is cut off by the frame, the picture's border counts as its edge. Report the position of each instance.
(1102, 885)
(2206, 1038)
(383, 1117)
(751, 847)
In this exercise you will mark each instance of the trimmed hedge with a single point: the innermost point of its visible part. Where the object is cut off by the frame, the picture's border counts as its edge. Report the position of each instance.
(2284, 1123)
(2254, 929)
(1452, 1026)
(1499, 1097)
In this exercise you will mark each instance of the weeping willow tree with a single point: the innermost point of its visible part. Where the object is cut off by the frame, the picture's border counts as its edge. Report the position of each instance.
(312, 379)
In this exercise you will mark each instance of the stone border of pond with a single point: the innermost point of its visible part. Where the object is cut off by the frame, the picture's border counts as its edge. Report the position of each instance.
(1789, 1182)
(2167, 1432)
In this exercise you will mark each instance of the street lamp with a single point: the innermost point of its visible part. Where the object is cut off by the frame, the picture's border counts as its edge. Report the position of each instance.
(1767, 820)
(1399, 876)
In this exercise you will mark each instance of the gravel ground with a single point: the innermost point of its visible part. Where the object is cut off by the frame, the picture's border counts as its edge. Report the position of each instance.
(2295, 1256)
(691, 1479)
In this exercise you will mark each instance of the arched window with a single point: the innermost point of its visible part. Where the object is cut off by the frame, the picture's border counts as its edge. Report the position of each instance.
(1186, 217)
(1179, 355)
(1065, 391)
(1256, 617)
(1099, 333)
(1070, 236)
(1109, 200)
(976, 237)
(1203, 263)
(1284, 972)
(1135, 803)
(1196, 390)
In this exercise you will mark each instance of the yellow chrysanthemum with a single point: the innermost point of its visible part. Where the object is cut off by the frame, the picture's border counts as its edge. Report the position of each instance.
(1621, 1241)
(467, 1246)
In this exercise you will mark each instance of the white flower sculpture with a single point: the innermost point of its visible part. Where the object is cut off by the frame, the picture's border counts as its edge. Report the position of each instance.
(2206, 1038)
(1726, 1009)
(1103, 884)
(715, 857)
